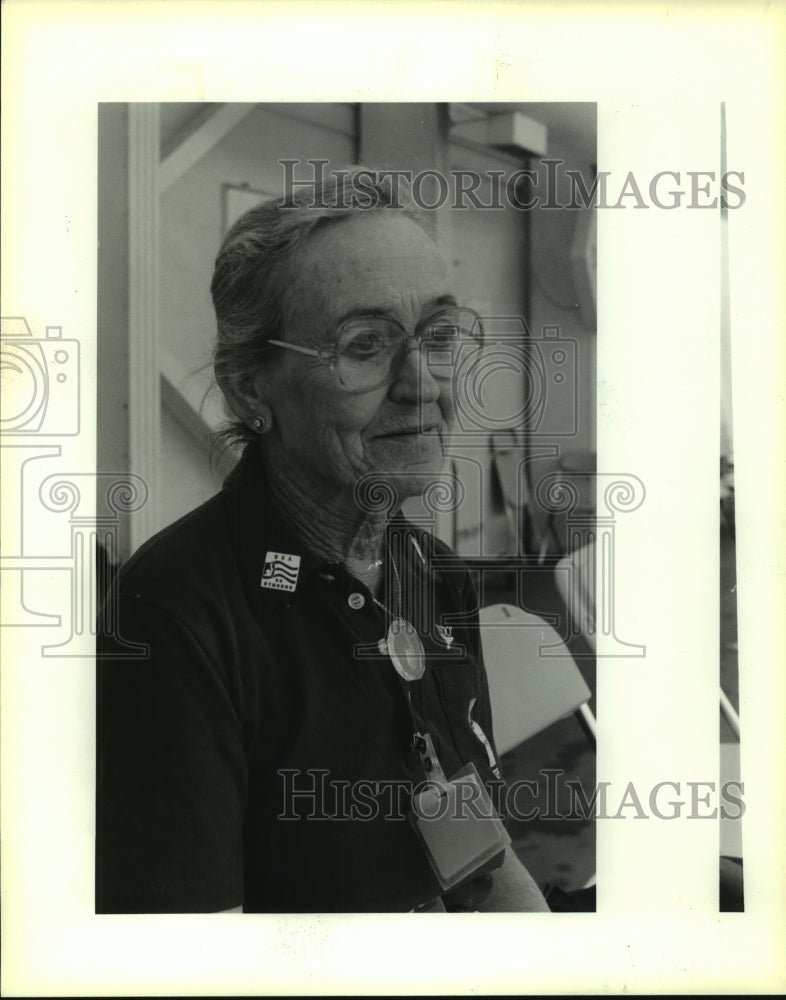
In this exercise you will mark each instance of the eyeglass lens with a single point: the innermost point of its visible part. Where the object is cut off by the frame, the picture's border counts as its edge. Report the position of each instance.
(371, 350)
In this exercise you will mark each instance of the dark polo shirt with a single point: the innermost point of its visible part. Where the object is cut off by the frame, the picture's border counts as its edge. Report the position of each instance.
(261, 752)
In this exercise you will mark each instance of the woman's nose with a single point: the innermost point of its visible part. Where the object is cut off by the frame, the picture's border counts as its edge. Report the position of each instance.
(415, 381)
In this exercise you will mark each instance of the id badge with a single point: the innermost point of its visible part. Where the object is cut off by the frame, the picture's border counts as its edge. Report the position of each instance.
(458, 826)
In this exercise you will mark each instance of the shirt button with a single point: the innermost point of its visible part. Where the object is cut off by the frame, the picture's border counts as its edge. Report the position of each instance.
(356, 601)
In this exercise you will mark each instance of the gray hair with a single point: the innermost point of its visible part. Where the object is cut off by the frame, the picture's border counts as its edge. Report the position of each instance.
(253, 268)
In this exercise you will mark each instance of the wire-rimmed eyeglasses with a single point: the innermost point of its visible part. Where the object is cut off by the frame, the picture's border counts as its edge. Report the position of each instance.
(369, 351)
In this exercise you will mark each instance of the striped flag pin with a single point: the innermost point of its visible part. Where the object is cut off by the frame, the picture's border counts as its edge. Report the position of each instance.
(280, 571)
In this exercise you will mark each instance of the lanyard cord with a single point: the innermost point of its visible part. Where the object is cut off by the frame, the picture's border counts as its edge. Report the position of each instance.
(421, 742)
(399, 594)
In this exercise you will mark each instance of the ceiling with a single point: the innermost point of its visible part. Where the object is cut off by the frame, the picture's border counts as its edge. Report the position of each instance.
(569, 123)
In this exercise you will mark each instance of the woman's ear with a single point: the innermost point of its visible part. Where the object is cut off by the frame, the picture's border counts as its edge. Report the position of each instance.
(247, 399)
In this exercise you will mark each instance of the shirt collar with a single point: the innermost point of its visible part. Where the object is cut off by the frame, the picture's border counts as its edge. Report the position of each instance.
(258, 529)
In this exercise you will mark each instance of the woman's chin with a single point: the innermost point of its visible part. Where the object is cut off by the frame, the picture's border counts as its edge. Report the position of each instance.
(414, 480)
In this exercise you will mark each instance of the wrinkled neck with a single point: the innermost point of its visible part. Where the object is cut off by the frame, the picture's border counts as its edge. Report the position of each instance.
(328, 522)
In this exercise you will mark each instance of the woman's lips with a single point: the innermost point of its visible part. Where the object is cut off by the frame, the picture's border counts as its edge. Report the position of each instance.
(409, 431)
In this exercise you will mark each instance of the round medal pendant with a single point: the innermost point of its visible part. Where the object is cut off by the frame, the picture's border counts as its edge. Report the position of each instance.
(406, 650)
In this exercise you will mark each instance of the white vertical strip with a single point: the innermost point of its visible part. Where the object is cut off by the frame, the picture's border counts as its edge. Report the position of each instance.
(144, 402)
(658, 393)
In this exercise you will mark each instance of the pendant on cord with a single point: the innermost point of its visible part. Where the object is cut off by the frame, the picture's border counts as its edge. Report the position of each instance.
(406, 650)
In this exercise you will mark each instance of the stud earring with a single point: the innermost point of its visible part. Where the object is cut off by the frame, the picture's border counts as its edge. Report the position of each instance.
(259, 424)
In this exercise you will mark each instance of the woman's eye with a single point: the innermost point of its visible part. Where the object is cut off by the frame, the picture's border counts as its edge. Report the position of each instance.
(364, 345)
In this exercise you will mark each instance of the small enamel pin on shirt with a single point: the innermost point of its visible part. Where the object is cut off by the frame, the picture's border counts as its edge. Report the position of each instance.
(445, 632)
(281, 571)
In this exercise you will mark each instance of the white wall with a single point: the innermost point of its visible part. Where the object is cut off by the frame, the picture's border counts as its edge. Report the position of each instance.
(490, 258)
(192, 227)
(569, 420)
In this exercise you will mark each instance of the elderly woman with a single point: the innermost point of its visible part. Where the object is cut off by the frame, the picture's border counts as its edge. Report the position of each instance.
(313, 659)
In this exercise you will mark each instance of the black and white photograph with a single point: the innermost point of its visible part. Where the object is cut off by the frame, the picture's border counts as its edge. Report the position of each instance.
(378, 599)
(384, 555)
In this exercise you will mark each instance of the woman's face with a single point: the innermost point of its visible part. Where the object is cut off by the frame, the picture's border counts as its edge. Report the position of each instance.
(374, 263)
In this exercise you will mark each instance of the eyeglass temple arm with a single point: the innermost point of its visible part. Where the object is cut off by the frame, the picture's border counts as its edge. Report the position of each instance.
(295, 347)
